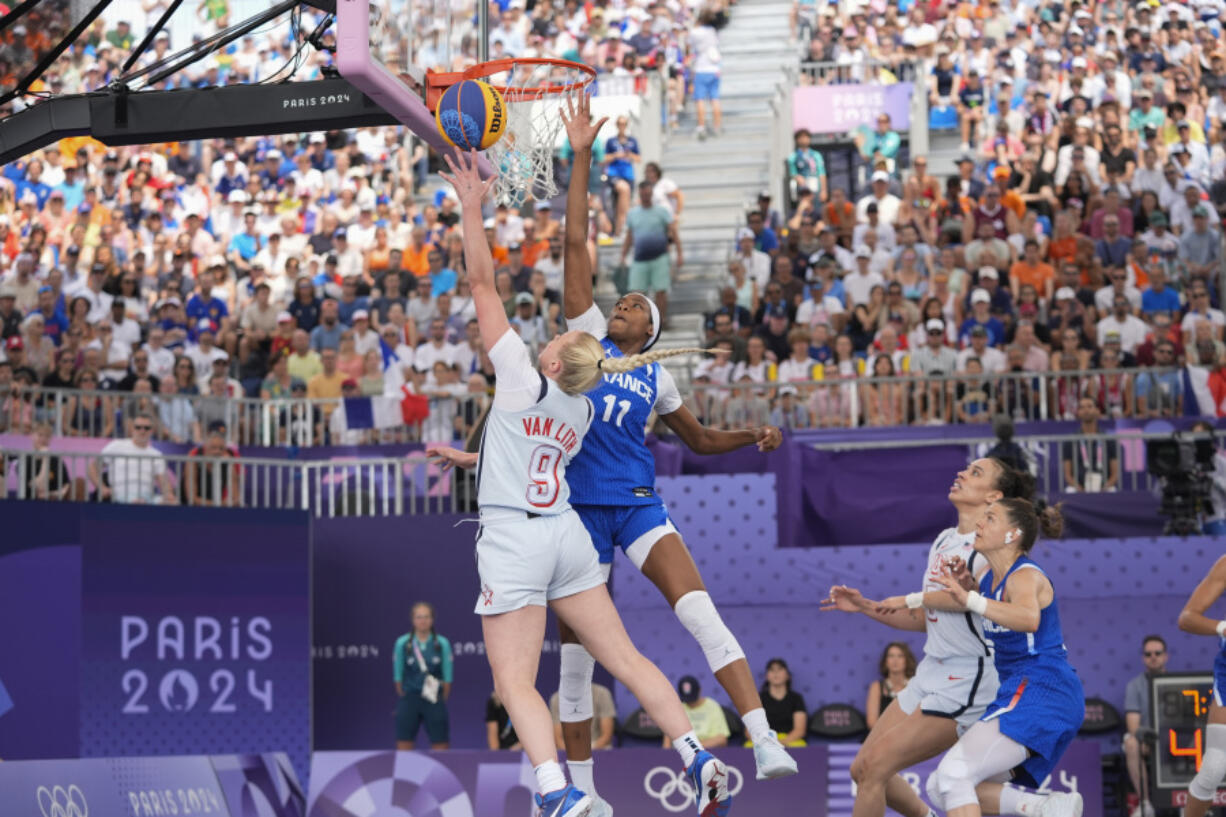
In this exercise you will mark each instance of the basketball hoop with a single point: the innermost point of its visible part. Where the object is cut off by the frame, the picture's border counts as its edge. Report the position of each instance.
(534, 89)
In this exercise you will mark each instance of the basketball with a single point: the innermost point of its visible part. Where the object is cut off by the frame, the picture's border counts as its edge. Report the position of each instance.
(471, 115)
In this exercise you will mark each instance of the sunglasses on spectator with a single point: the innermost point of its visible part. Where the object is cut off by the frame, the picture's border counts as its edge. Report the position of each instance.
(934, 332)
(142, 427)
(1154, 653)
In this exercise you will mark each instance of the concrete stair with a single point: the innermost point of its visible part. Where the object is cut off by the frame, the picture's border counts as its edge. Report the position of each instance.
(720, 176)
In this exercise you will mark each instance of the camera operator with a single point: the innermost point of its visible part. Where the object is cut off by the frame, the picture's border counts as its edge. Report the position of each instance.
(1215, 514)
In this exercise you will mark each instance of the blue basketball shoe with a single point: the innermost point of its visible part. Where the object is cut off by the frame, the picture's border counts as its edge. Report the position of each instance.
(709, 778)
(567, 802)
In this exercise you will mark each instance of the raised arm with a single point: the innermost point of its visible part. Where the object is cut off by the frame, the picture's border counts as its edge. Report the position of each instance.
(577, 292)
(1192, 618)
(471, 190)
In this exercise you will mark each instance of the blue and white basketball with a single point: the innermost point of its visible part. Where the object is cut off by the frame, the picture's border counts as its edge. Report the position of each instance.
(471, 115)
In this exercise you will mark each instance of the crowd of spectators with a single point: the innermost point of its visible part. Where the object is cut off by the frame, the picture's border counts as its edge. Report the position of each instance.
(1076, 252)
(171, 279)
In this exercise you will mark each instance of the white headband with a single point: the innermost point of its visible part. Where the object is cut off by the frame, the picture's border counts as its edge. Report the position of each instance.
(655, 322)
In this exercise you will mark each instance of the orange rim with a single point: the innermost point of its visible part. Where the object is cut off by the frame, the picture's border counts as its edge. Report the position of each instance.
(437, 83)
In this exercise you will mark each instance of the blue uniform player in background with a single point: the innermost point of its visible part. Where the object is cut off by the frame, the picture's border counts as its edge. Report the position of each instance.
(1193, 620)
(1040, 703)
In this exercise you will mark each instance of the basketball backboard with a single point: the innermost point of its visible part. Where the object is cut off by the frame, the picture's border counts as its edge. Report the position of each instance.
(385, 48)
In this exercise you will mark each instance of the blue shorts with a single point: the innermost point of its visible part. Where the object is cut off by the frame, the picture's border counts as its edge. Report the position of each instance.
(706, 86)
(633, 528)
(1219, 679)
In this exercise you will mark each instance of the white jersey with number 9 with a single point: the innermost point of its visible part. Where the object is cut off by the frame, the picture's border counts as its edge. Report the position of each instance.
(533, 430)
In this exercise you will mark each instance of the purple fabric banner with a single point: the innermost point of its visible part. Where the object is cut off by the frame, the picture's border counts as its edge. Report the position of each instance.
(841, 108)
(177, 631)
(222, 786)
(639, 782)
(1080, 770)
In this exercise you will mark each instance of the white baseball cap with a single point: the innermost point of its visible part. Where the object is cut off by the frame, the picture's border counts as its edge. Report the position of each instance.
(981, 296)
(934, 325)
(881, 176)
(989, 272)
(1065, 294)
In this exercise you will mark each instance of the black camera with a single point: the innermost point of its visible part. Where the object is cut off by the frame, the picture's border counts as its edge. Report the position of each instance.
(1184, 465)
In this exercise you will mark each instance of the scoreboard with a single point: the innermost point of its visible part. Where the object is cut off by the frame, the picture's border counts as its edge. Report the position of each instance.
(1180, 705)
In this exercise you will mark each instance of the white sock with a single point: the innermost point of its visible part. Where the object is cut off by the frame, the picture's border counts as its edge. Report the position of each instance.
(549, 777)
(756, 725)
(1020, 802)
(689, 746)
(581, 774)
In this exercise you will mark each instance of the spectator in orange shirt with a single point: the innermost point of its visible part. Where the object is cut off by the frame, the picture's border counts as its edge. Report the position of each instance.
(416, 256)
(1063, 245)
(1009, 198)
(491, 236)
(533, 246)
(1031, 269)
(840, 215)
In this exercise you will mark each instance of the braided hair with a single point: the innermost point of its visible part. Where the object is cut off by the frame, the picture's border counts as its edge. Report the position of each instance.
(584, 363)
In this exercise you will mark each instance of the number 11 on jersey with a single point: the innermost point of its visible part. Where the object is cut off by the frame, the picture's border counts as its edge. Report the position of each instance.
(611, 402)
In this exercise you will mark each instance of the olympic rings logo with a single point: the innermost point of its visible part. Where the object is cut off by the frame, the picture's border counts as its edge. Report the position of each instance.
(675, 792)
(62, 802)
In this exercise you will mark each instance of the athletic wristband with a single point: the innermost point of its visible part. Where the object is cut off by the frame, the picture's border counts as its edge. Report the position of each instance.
(1221, 628)
(976, 603)
(915, 600)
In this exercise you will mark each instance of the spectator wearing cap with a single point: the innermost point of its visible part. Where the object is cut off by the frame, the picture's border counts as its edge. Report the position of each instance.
(820, 307)
(884, 233)
(349, 261)
(790, 411)
(365, 338)
(887, 203)
(991, 360)
(706, 715)
(229, 174)
(980, 301)
(1200, 249)
(527, 320)
(1001, 303)
(828, 247)
(10, 315)
(934, 358)
(858, 286)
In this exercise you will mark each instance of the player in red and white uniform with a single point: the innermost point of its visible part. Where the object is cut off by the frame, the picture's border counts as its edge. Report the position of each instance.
(532, 550)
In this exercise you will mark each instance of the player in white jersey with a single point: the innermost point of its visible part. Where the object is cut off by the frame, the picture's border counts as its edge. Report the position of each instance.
(532, 550)
(956, 680)
(1193, 619)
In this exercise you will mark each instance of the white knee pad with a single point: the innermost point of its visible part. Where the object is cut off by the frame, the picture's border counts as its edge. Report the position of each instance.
(575, 690)
(697, 614)
(1212, 765)
(951, 786)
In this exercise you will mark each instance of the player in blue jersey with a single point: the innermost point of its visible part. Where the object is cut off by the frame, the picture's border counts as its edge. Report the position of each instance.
(1193, 620)
(1040, 703)
(619, 505)
(533, 552)
(612, 484)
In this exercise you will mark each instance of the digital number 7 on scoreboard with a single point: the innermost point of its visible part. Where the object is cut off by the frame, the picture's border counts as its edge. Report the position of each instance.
(1180, 705)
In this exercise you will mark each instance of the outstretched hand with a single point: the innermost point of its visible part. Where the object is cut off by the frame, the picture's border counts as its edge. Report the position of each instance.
(470, 188)
(768, 438)
(845, 599)
(957, 570)
(577, 117)
(447, 457)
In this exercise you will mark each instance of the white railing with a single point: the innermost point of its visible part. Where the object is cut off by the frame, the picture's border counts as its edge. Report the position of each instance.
(834, 401)
(326, 488)
(301, 422)
(836, 73)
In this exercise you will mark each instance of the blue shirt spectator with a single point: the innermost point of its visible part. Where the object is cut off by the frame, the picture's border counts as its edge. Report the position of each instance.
(622, 143)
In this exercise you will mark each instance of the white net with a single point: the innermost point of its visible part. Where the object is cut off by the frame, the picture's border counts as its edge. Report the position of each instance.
(524, 156)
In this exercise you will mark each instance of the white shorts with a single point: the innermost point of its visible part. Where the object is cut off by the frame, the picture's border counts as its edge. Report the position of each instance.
(959, 688)
(523, 561)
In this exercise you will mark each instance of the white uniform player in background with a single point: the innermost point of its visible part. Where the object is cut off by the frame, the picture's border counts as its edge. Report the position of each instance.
(956, 680)
(532, 549)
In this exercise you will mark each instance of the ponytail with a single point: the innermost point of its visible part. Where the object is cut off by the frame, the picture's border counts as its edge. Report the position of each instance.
(584, 363)
(1032, 519)
(1012, 482)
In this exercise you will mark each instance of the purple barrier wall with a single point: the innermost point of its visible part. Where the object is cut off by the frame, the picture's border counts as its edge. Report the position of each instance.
(640, 782)
(222, 785)
(769, 596)
(149, 631)
(368, 574)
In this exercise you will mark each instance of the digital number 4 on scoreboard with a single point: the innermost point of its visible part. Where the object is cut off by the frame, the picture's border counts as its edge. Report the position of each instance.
(1179, 705)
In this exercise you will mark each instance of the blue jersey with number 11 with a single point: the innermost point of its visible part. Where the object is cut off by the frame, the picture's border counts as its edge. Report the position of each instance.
(614, 466)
